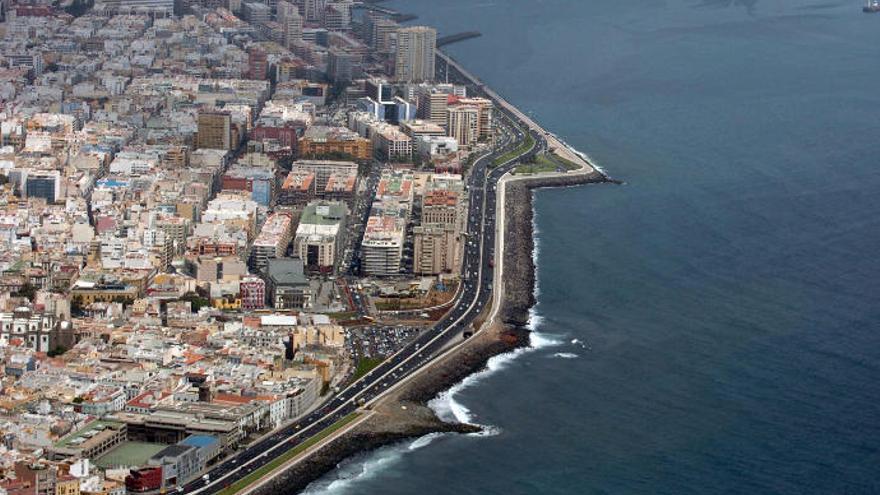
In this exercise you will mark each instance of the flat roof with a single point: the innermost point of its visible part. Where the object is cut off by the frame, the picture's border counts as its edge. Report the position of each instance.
(323, 213)
(97, 425)
(299, 179)
(129, 454)
(175, 450)
(277, 225)
(277, 320)
(199, 440)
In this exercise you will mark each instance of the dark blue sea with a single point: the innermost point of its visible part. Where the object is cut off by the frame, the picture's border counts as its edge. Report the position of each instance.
(712, 326)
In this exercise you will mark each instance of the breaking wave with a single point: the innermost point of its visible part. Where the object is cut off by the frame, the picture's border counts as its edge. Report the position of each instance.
(445, 406)
(566, 355)
(451, 410)
(536, 247)
(364, 467)
(345, 478)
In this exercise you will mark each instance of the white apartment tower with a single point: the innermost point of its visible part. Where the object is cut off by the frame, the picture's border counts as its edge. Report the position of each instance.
(291, 23)
(314, 10)
(415, 54)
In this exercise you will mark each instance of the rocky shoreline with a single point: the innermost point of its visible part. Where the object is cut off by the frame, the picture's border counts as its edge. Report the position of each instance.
(519, 239)
(404, 415)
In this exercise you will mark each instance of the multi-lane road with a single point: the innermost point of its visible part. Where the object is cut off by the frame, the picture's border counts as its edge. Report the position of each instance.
(474, 295)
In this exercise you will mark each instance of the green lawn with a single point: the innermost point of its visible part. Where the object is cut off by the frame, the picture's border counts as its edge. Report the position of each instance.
(365, 365)
(569, 165)
(519, 150)
(545, 163)
(388, 305)
(534, 168)
(290, 454)
(342, 315)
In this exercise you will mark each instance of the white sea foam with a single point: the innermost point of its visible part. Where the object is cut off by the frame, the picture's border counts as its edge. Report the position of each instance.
(445, 406)
(365, 467)
(581, 154)
(537, 339)
(451, 410)
(566, 355)
(536, 247)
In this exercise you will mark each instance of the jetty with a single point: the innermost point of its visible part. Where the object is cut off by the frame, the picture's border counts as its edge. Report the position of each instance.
(454, 38)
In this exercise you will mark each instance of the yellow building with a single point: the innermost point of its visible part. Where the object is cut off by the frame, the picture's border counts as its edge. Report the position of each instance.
(67, 485)
(322, 140)
(215, 130)
(227, 304)
(320, 335)
(358, 148)
(87, 294)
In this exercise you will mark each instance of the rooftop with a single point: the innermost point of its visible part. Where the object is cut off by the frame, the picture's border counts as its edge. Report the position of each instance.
(129, 454)
(87, 432)
(300, 180)
(341, 182)
(287, 271)
(327, 133)
(175, 450)
(199, 440)
(323, 213)
(441, 198)
(276, 227)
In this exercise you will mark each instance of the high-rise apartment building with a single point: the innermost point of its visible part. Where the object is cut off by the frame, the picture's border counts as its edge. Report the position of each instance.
(337, 15)
(215, 130)
(291, 23)
(319, 234)
(382, 34)
(313, 10)
(484, 108)
(463, 123)
(438, 242)
(382, 246)
(435, 249)
(283, 9)
(432, 106)
(258, 64)
(273, 240)
(415, 54)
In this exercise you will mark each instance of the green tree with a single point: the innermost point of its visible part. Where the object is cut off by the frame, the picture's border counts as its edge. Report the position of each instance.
(79, 7)
(27, 291)
(57, 351)
(196, 301)
(76, 305)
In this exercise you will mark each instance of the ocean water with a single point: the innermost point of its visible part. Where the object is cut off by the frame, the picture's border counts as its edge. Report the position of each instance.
(711, 326)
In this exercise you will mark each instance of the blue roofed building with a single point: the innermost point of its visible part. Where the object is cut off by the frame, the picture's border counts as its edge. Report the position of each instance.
(208, 447)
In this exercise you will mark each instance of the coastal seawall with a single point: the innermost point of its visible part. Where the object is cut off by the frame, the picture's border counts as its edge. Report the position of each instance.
(519, 240)
(405, 414)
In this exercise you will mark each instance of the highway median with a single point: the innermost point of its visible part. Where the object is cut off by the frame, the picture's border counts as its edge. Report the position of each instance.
(520, 150)
(282, 459)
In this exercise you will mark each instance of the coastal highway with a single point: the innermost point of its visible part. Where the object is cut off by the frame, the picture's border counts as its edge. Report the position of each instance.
(475, 294)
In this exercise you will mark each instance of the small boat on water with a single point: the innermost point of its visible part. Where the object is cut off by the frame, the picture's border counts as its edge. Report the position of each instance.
(871, 7)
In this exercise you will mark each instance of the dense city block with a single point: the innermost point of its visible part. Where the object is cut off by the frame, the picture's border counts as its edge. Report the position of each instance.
(214, 215)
